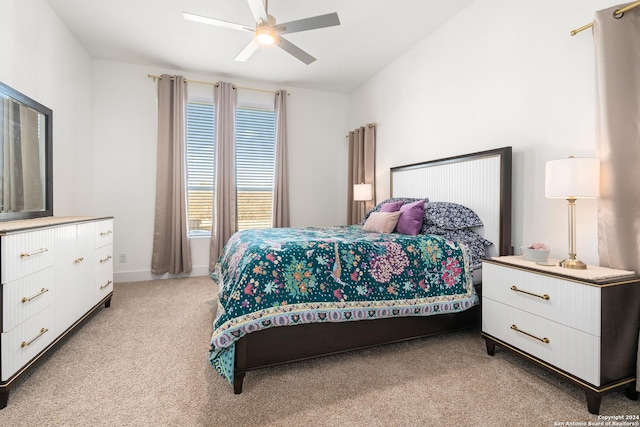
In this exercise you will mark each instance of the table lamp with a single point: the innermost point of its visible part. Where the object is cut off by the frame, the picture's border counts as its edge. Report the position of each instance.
(571, 179)
(362, 193)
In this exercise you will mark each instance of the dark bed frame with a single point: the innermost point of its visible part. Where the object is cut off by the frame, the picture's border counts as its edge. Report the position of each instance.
(280, 345)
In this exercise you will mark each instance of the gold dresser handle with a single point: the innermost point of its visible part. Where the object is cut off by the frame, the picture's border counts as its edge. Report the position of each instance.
(78, 260)
(27, 299)
(27, 254)
(28, 343)
(544, 340)
(106, 286)
(105, 233)
(103, 260)
(544, 297)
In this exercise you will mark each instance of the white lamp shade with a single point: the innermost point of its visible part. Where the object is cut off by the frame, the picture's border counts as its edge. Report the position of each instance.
(362, 192)
(572, 177)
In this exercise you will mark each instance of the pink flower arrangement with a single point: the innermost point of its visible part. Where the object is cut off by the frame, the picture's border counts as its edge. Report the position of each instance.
(539, 247)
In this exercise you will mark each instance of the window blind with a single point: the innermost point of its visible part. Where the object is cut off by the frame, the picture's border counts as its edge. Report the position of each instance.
(201, 160)
(255, 166)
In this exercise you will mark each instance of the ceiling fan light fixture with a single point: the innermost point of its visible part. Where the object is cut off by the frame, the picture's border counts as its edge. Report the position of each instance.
(267, 31)
(265, 35)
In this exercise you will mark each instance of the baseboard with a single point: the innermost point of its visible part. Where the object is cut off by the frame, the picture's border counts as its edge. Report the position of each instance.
(143, 275)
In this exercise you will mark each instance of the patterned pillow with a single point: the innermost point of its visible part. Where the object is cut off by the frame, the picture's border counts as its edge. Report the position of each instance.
(451, 216)
(475, 242)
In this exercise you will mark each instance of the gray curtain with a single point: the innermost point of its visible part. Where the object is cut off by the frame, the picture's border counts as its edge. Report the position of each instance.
(171, 250)
(280, 211)
(362, 145)
(224, 209)
(617, 52)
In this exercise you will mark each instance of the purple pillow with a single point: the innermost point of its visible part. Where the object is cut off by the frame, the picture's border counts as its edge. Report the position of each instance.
(411, 215)
(391, 206)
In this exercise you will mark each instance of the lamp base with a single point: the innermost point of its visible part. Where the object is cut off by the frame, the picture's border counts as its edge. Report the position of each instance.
(573, 264)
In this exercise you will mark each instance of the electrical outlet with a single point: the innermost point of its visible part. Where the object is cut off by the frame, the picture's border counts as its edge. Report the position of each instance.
(123, 258)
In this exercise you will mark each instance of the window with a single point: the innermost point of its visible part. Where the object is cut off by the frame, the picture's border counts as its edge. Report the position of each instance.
(255, 166)
(255, 160)
(201, 160)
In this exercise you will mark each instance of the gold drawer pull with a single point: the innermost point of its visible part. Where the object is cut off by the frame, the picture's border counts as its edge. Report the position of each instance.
(27, 299)
(79, 260)
(28, 343)
(27, 254)
(544, 297)
(105, 233)
(544, 340)
(103, 260)
(106, 286)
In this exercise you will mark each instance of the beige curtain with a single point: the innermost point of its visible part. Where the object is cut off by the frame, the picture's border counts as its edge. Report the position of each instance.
(12, 194)
(224, 209)
(280, 210)
(617, 44)
(30, 167)
(21, 185)
(617, 51)
(171, 251)
(362, 146)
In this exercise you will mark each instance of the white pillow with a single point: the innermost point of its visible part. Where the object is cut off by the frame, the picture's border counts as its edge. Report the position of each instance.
(381, 222)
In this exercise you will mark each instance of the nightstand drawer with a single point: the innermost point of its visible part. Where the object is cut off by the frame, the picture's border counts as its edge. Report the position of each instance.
(573, 351)
(562, 301)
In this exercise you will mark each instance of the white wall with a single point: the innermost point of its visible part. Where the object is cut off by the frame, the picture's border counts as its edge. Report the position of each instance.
(124, 157)
(41, 59)
(104, 122)
(500, 73)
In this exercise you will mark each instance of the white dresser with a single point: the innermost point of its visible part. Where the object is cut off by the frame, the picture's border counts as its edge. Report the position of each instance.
(54, 272)
(580, 325)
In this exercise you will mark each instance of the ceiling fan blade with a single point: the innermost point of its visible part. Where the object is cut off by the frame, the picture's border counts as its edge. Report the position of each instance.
(211, 21)
(294, 50)
(320, 21)
(259, 11)
(248, 50)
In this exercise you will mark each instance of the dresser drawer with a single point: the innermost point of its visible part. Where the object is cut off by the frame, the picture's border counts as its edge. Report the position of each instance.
(573, 351)
(103, 233)
(25, 341)
(25, 253)
(26, 297)
(572, 304)
(104, 271)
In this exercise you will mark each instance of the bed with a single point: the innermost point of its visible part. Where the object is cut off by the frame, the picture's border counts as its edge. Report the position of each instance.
(294, 294)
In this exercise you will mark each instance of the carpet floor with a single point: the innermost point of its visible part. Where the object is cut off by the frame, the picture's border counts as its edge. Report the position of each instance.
(143, 362)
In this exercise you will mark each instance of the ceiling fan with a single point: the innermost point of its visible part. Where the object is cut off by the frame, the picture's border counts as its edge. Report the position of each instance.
(268, 32)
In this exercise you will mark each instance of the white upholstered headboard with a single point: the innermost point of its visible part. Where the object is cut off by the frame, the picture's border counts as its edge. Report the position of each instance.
(480, 181)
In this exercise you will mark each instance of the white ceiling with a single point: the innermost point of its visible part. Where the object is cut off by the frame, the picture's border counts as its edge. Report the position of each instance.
(372, 34)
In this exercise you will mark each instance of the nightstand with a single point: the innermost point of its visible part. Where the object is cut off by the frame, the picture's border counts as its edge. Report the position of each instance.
(580, 325)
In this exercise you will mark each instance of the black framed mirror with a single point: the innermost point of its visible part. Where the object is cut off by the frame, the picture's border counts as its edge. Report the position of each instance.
(26, 157)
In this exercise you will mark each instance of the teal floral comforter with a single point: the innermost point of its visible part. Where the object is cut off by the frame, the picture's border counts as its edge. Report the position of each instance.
(286, 276)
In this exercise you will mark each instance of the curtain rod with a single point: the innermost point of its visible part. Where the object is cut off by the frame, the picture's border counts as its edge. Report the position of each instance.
(620, 12)
(369, 125)
(154, 77)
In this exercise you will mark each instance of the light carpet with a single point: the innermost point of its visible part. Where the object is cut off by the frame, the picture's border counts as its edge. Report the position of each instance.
(143, 362)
